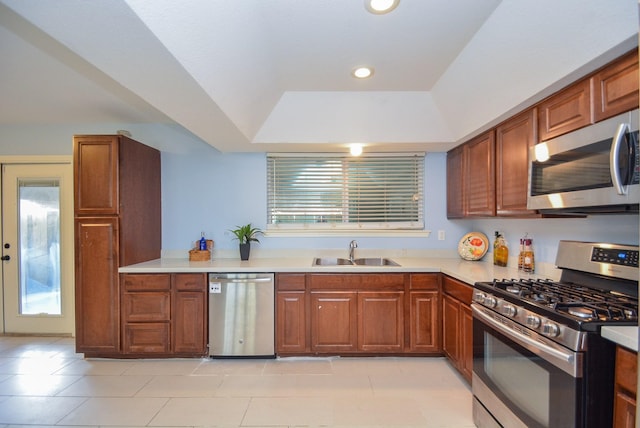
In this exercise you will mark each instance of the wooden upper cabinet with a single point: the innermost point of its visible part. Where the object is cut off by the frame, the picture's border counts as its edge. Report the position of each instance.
(615, 88)
(479, 172)
(513, 140)
(96, 174)
(455, 183)
(565, 111)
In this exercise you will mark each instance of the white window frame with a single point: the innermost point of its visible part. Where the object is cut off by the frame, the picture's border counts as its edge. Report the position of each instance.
(409, 228)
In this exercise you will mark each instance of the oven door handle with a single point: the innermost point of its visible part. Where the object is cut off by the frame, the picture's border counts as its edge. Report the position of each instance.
(567, 361)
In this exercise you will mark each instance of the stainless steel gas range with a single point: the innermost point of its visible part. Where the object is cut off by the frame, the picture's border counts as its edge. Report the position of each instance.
(538, 357)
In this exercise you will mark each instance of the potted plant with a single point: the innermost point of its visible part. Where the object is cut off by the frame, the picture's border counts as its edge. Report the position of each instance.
(245, 234)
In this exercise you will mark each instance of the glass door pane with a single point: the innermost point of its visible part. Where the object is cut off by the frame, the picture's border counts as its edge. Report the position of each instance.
(39, 247)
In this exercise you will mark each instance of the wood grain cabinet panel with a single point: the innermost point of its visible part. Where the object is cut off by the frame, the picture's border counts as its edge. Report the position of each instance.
(189, 317)
(381, 321)
(292, 323)
(455, 183)
(334, 321)
(424, 317)
(626, 388)
(457, 325)
(146, 338)
(97, 295)
(480, 186)
(514, 138)
(568, 110)
(118, 222)
(146, 306)
(615, 88)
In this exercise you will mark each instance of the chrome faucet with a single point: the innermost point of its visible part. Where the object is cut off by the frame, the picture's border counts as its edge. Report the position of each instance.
(352, 246)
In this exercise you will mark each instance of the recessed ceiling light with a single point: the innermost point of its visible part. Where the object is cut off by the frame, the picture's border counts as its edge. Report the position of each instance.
(362, 72)
(381, 6)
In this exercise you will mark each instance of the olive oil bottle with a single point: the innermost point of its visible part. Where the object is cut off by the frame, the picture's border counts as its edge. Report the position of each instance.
(500, 250)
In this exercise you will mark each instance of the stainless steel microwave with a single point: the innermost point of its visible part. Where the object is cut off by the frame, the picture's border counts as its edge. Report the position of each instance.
(594, 169)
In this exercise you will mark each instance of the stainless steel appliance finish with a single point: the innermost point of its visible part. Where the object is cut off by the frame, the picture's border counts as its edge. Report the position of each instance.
(241, 315)
(539, 360)
(593, 169)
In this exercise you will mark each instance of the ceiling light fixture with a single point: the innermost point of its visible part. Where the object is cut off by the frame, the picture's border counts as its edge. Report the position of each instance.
(380, 7)
(355, 149)
(362, 72)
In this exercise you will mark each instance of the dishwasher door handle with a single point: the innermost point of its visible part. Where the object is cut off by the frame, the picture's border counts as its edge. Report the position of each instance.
(239, 280)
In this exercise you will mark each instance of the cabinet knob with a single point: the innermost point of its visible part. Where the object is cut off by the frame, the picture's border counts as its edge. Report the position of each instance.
(5, 258)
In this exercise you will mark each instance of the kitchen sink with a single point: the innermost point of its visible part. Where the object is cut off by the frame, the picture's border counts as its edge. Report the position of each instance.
(331, 261)
(375, 261)
(368, 261)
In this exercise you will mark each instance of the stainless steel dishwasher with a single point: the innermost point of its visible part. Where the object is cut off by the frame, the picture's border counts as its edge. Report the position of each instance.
(241, 315)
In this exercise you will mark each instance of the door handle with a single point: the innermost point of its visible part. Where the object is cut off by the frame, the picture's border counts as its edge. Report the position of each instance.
(5, 258)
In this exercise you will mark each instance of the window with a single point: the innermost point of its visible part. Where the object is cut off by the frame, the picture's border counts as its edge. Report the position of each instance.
(340, 192)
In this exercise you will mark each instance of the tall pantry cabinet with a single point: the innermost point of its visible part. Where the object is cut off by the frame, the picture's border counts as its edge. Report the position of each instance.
(117, 197)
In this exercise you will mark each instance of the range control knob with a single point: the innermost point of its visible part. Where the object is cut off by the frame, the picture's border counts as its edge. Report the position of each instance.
(490, 301)
(509, 310)
(533, 321)
(479, 296)
(550, 329)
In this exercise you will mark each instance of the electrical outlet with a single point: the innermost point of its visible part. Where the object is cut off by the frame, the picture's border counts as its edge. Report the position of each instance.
(441, 235)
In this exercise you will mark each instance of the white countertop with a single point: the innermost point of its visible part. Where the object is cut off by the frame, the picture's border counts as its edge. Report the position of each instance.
(624, 336)
(466, 271)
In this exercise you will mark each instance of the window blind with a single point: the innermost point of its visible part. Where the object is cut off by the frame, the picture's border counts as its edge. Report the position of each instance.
(383, 191)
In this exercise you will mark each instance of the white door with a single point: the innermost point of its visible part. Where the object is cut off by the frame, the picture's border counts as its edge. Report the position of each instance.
(37, 248)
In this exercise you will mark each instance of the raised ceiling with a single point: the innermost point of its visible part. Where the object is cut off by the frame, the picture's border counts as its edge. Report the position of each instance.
(257, 75)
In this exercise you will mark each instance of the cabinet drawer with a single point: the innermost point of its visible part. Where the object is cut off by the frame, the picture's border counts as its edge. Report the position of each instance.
(190, 281)
(426, 281)
(144, 282)
(146, 338)
(146, 306)
(457, 289)
(627, 369)
(290, 281)
(390, 281)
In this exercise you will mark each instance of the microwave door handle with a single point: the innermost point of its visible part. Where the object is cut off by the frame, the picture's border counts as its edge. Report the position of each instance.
(614, 158)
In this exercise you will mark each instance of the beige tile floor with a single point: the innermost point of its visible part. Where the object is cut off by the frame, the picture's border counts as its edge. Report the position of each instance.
(43, 382)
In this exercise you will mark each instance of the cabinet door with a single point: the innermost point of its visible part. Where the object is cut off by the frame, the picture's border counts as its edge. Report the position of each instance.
(479, 176)
(189, 316)
(615, 88)
(381, 321)
(566, 111)
(188, 323)
(466, 341)
(96, 174)
(451, 328)
(455, 183)
(424, 329)
(334, 321)
(513, 140)
(291, 331)
(97, 291)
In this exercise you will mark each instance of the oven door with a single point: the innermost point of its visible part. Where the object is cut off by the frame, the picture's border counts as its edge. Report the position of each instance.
(521, 378)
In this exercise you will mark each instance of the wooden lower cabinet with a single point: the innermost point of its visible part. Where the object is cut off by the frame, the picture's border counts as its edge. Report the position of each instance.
(164, 314)
(97, 291)
(457, 325)
(334, 321)
(357, 313)
(626, 387)
(291, 314)
(381, 321)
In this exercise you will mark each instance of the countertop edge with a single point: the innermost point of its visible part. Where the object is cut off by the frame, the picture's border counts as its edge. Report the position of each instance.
(623, 336)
